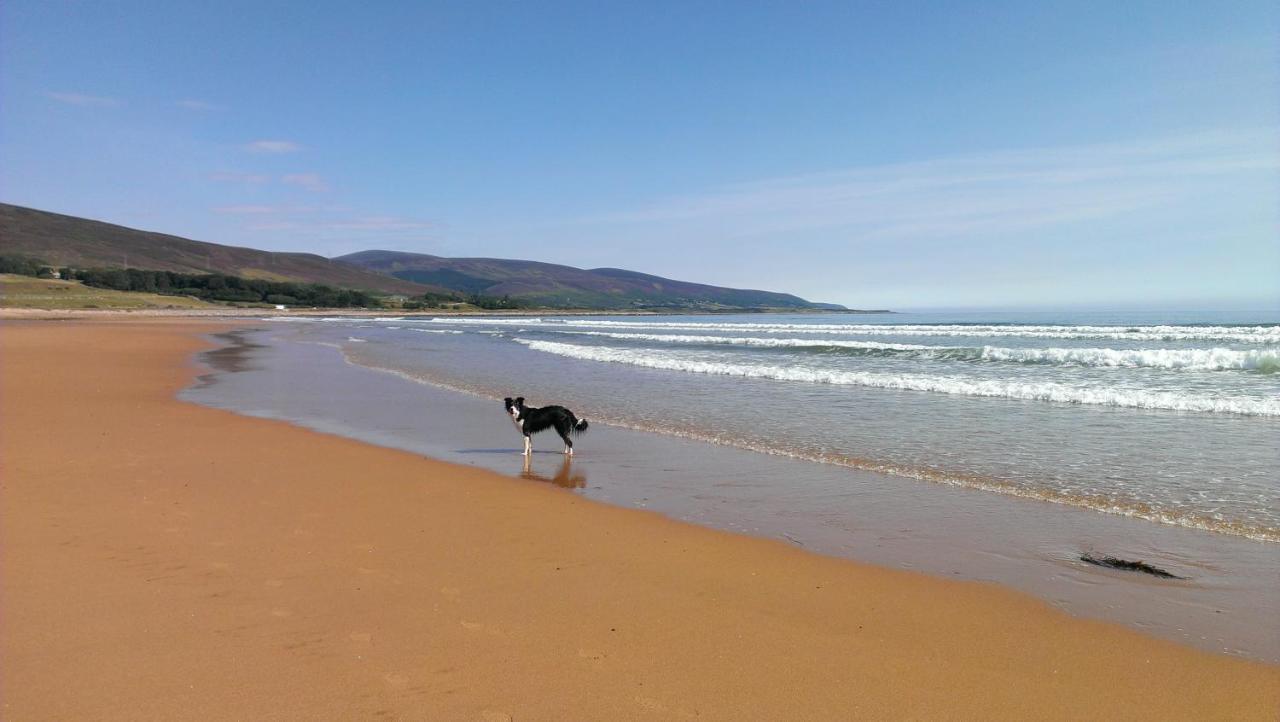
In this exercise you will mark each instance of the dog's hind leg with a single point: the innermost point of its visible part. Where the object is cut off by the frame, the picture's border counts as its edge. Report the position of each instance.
(563, 430)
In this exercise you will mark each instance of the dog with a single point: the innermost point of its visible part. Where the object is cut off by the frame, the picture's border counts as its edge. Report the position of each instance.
(530, 420)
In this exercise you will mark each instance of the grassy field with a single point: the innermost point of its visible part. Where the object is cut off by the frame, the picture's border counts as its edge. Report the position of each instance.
(46, 293)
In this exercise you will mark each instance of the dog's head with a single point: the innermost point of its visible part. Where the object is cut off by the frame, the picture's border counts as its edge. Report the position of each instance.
(515, 406)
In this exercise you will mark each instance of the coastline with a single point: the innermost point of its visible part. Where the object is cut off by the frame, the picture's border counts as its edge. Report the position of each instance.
(248, 314)
(1225, 605)
(163, 559)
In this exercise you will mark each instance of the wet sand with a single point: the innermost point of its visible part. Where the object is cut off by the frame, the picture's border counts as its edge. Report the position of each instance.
(1226, 602)
(166, 560)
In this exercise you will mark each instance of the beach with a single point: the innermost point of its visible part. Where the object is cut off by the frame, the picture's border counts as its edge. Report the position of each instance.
(164, 560)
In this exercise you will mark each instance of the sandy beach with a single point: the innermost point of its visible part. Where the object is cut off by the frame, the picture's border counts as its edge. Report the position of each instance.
(163, 560)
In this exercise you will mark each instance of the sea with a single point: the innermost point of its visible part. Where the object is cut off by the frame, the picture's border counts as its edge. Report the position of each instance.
(994, 446)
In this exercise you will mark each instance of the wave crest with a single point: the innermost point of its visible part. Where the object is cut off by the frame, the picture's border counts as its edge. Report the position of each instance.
(1214, 359)
(997, 388)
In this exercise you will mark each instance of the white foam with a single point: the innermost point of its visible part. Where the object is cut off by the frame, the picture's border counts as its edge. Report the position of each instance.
(754, 341)
(999, 388)
(1212, 359)
(1200, 359)
(469, 321)
(1232, 334)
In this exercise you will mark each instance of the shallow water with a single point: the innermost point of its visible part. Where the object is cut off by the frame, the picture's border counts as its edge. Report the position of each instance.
(319, 375)
(1171, 422)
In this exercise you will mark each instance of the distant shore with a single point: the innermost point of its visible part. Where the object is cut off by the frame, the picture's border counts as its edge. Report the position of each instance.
(87, 313)
(165, 560)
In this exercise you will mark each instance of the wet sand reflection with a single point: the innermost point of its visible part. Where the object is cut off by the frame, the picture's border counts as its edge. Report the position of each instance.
(564, 477)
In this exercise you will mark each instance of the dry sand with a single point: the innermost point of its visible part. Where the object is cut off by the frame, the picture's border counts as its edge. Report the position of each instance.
(167, 561)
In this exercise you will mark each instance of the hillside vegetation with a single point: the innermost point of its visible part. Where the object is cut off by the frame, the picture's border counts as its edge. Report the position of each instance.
(388, 278)
(46, 293)
(556, 286)
(81, 243)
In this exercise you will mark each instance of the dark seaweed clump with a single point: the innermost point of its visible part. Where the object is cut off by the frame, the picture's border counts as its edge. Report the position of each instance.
(1126, 565)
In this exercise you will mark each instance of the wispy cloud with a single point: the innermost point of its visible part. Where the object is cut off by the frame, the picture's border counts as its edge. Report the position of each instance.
(989, 193)
(374, 224)
(273, 146)
(309, 181)
(238, 177)
(262, 210)
(381, 223)
(84, 100)
(198, 105)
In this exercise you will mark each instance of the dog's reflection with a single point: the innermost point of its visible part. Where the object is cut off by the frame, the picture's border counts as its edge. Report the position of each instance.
(564, 477)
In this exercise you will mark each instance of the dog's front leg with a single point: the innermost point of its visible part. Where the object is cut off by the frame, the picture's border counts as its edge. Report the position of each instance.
(528, 446)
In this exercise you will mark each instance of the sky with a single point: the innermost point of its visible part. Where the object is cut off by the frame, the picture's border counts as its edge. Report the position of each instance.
(876, 154)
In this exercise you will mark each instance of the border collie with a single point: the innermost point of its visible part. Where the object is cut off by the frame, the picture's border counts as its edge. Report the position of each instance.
(531, 420)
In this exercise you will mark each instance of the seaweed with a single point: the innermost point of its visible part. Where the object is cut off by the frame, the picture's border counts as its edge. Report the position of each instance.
(1126, 565)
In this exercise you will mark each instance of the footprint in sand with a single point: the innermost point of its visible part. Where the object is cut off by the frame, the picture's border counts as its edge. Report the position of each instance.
(651, 704)
(480, 627)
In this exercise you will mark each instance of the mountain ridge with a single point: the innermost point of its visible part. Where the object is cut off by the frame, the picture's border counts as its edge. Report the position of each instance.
(64, 240)
(559, 285)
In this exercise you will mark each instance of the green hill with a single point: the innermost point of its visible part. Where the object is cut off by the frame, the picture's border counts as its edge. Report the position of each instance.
(557, 286)
(61, 240)
(82, 243)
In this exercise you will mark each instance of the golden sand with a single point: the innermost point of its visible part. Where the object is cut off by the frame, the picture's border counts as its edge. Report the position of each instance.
(162, 560)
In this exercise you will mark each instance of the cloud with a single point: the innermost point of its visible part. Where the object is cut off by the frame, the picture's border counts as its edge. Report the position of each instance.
(197, 105)
(237, 177)
(84, 100)
(273, 146)
(995, 192)
(261, 210)
(380, 223)
(373, 223)
(309, 181)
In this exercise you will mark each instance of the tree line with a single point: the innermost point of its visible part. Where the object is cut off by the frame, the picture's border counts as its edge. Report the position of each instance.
(221, 287)
(479, 300)
(205, 286)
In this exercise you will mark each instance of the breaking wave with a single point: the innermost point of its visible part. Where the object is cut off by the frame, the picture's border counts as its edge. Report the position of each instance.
(1228, 334)
(1214, 359)
(998, 388)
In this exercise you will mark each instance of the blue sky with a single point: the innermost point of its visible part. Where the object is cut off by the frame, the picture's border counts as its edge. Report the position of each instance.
(875, 154)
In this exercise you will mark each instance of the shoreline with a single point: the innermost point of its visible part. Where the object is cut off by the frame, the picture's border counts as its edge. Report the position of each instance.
(251, 314)
(865, 516)
(235, 567)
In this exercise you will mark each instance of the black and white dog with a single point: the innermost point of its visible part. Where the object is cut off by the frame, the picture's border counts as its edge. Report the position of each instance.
(531, 420)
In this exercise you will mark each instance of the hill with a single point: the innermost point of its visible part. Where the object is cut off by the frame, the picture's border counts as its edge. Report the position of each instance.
(553, 285)
(79, 242)
(48, 293)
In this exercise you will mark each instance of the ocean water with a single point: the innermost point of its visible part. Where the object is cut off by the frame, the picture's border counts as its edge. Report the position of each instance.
(1169, 419)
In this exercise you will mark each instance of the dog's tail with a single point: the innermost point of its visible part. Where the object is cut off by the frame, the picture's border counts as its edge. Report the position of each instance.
(579, 425)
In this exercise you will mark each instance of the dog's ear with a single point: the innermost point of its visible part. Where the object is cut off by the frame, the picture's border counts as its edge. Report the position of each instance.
(519, 401)
(507, 402)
